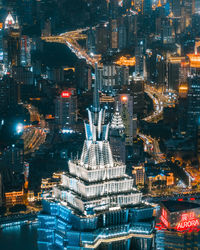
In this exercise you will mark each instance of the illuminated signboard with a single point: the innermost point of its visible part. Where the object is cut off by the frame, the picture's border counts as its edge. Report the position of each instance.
(163, 218)
(1, 26)
(66, 94)
(188, 220)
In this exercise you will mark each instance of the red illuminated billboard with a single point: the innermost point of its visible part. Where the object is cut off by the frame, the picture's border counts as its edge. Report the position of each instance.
(188, 220)
(66, 94)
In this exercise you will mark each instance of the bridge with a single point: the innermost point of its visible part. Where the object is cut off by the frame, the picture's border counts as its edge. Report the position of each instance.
(71, 39)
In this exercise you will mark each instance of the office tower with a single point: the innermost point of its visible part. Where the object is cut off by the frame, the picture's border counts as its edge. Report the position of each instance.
(160, 70)
(55, 74)
(194, 60)
(176, 7)
(122, 77)
(193, 105)
(140, 58)
(113, 8)
(9, 93)
(66, 109)
(96, 206)
(187, 12)
(102, 38)
(196, 24)
(117, 140)
(113, 35)
(110, 76)
(138, 173)
(122, 37)
(26, 51)
(12, 42)
(147, 7)
(166, 31)
(138, 95)
(174, 69)
(26, 12)
(131, 24)
(13, 157)
(22, 76)
(182, 108)
(179, 225)
(91, 40)
(83, 75)
(126, 110)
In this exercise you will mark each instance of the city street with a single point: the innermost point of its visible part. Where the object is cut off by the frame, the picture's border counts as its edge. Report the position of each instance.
(33, 136)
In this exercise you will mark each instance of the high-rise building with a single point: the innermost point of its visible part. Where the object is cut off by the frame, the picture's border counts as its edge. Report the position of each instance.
(174, 69)
(102, 38)
(12, 42)
(55, 74)
(138, 173)
(126, 110)
(147, 6)
(138, 95)
(113, 34)
(117, 140)
(26, 12)
(176, 7)
(131, 24)
(83, 75)
(66, 109)
(25, 51)
(14, 158)
(110, 75)
(9, 93)
(193, 113)
(182, 108)
(91, 40)
(179, 225)
(96, 206)
(140, 58)
(22, 75)
(113, 8)
(166, 31)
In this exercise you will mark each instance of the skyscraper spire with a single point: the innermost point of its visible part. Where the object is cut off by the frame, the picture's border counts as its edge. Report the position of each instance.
(96, 105)
(117, 122)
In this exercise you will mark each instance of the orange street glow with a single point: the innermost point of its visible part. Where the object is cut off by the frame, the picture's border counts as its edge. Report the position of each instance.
(124, 98)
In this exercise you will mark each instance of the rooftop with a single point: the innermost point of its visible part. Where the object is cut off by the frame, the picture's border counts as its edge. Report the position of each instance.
(176, 206)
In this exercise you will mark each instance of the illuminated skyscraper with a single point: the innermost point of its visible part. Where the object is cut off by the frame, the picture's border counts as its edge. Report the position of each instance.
(96, 205)
(117, 139)
(66, 109)
(193, 105)
(126, 111)
(12, 42)
(140, 59)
